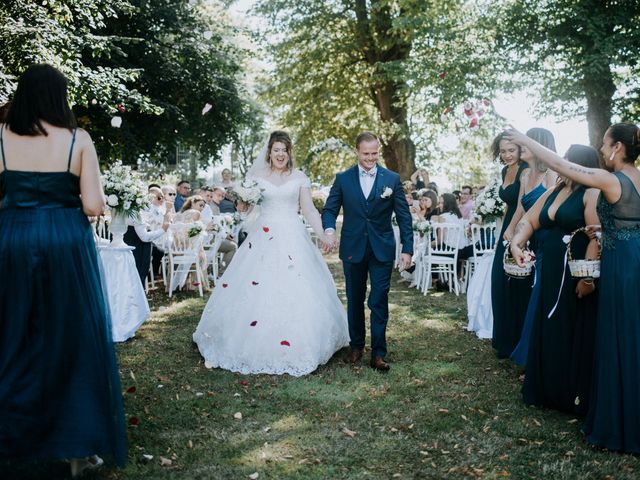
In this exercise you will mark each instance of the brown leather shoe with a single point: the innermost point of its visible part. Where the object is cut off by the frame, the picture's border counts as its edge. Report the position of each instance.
(379, 364)
(354, 356)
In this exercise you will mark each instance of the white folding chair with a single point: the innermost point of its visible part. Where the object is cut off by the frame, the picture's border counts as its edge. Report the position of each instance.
(211, 247)
(483, 240)
(440, 256)
(183, 256)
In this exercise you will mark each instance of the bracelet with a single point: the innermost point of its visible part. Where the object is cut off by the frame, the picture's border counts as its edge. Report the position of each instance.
(590, 282)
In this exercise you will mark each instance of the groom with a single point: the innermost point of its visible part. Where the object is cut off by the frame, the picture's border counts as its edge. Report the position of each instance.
(369, 194)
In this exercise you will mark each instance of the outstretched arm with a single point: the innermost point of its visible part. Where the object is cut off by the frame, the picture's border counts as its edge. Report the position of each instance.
(589, 177)
(310, 212)
(517, 215)
(528, 224)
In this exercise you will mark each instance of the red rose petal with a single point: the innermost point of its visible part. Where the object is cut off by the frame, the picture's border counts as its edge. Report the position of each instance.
(473, 123)
(254, 323)
(225, 285)
(442, 75)
(254, 282)
(244, 383)
(284, 343)
(131, 390)
(266, 229)
(133, 421)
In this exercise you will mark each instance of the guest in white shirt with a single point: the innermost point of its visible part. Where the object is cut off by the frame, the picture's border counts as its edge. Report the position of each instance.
(226, 179)
(206, 216)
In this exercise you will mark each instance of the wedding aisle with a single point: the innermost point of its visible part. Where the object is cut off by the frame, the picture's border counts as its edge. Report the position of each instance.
(447, 409)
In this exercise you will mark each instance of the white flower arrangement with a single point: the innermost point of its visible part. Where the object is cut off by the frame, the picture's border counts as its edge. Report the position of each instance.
(124, 192)
(422, 227)
(387, 192)
(196, 229)
(249, 192)
(231, 219)
(488, 204)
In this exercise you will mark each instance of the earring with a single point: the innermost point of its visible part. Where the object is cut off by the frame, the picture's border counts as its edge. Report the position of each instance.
(613, 154)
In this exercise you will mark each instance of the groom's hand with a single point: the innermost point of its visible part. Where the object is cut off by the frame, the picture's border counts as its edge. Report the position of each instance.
(329, 241)
(405, 261)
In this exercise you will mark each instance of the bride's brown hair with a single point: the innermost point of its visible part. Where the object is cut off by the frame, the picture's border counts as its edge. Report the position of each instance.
(282, 137)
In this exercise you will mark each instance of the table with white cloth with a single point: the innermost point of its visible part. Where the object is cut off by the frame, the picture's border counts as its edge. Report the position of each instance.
(127, 300)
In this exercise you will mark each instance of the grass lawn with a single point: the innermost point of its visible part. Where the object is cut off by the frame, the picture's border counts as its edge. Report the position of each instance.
(447, 409)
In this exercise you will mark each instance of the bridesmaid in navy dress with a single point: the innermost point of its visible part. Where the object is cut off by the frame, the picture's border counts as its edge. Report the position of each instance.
(560, 353)
(509, 297)
(613, 419)
(533, 183)
(60, 392)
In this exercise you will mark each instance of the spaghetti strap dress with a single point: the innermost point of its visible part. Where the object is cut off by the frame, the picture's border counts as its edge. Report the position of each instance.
(60, 393)
(509, 296)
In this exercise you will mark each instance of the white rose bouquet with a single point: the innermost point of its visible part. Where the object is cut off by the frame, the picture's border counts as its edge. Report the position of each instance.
(488, 205)
(124, 192)
(249, 192)
(196, 229)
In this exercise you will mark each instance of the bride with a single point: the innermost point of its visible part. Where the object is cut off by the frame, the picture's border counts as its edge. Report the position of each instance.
(275, 309)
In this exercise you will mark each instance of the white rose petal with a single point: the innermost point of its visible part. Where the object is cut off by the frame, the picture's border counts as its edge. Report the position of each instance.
(112, 200)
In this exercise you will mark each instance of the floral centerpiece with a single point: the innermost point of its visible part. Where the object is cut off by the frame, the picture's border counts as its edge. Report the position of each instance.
(488, 204)
(249, 192)
(126, 196)
(422, 227)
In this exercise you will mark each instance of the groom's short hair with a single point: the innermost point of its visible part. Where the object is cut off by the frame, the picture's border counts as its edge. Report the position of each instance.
(366, 137)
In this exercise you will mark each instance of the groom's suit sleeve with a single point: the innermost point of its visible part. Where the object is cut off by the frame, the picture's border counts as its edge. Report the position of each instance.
(332, 205)
(403, 216)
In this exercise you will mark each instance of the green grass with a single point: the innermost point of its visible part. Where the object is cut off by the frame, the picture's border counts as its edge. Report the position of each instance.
(447, 409)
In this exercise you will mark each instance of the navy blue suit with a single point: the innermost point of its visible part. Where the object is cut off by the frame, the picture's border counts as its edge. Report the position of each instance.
(367, 247)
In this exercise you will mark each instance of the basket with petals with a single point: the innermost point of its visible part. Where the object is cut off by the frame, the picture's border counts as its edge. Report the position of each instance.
(582, 268)
(512, 269)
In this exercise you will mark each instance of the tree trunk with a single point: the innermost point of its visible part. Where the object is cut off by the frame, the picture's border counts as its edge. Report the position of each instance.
(379, 46)
(599, 90)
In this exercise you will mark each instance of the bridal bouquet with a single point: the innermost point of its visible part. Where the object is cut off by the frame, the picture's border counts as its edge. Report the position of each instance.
(125, 194)
(249, 192)
(231, 220)
(488, 205)
(422, 227)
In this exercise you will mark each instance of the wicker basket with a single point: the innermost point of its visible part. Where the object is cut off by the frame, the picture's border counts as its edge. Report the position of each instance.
(583, 268)
(511, 268)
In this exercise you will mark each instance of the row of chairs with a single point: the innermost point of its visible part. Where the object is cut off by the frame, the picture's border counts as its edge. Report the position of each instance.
(437, 253)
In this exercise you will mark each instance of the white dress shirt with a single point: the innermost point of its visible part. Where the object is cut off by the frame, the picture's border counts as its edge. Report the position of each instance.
(367, 179)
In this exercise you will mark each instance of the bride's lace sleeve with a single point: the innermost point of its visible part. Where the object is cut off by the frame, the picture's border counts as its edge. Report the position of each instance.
(307, 207)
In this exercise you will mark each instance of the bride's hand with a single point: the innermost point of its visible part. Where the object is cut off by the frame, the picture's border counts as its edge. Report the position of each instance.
(328, 242)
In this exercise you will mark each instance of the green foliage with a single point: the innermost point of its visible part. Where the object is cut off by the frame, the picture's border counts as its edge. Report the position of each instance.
(153, 63)
(583, 54)
(345, 66)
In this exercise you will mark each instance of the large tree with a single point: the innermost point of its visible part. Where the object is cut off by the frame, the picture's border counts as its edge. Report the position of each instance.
(583, 53)
(341, 66)
(154, 63)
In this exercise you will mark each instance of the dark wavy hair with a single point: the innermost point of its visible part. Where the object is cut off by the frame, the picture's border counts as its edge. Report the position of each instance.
(495, 145)
(628, 134)
(282, 137)
(41, 96)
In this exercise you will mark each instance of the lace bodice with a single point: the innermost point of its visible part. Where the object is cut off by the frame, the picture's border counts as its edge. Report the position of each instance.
(621, 220)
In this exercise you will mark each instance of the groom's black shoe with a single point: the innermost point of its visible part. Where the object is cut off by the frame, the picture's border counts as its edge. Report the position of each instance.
(379, 364)
(354, 356)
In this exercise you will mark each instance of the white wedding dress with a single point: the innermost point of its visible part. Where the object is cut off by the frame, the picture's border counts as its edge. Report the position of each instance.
(275, 310)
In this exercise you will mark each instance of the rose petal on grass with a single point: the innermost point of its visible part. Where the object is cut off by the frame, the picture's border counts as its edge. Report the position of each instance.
(254, 476)
(237, 416)
(165, 462)
(131, 389)
(348, 433)
(133, 420)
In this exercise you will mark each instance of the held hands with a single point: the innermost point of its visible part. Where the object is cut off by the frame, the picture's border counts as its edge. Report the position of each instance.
(328, 242)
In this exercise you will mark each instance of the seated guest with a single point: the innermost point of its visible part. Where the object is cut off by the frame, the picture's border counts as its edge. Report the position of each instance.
(139, 236)
(207, 213)
(184, 189)
(466, 202)
(154, 217)
(228, 204)
(226, 182)
(170, 195)
(228, 247)
(191, 210)
(428, 205)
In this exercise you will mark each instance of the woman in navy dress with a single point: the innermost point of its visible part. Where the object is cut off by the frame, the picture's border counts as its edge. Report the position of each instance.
(509, 297)
(533, 183)
(560, 354)
(613, 418)
(60, 393)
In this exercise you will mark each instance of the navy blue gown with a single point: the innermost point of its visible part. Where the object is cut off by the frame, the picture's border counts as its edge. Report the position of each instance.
(519, 354)
(613, 419)
(509, 296)
(60, 392)
(560, 356)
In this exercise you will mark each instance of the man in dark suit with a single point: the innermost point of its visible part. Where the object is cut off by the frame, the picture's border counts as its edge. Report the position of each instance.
(369, 195)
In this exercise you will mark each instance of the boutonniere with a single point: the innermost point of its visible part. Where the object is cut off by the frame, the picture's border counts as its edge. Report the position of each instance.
(386, 192)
